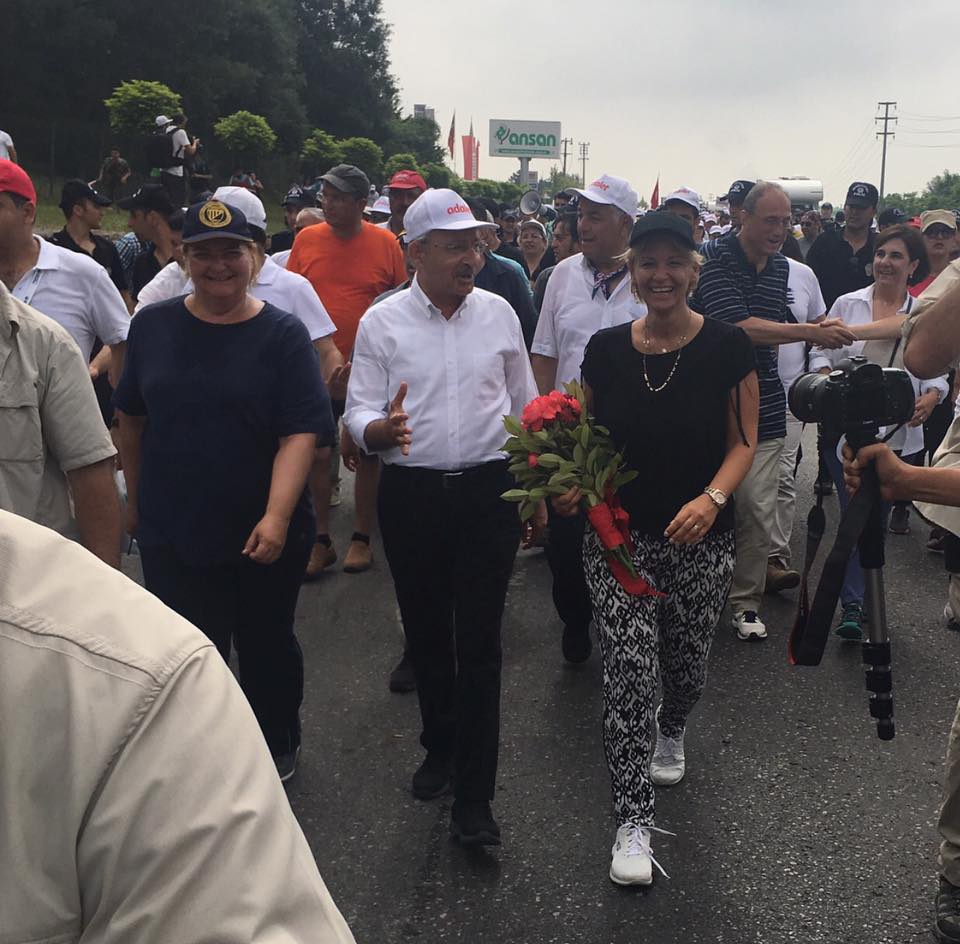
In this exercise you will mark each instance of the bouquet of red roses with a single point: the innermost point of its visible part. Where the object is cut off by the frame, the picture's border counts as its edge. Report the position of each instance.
(554, 446)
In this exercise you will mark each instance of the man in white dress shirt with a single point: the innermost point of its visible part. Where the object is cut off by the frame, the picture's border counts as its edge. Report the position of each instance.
(435, 369)
(586, 292)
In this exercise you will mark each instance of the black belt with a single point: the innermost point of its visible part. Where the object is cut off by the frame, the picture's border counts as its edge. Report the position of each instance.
(451, 478)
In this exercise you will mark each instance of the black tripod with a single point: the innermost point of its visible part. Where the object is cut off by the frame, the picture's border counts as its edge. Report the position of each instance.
(861, 525)
(876, 648)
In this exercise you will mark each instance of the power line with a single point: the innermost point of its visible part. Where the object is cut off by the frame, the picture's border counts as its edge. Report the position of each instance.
(930, 117)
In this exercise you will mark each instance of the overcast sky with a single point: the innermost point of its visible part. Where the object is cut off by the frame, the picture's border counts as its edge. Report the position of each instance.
(703, 93)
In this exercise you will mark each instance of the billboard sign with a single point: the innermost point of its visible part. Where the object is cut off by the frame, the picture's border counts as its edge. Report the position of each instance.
(524, 138)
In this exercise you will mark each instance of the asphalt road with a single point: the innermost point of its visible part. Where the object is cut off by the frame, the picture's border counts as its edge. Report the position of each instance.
(794, 822)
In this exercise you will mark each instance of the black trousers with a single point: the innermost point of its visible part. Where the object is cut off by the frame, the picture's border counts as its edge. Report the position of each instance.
(450, 541)
(565, 556)
(175, 187)
(252, 606)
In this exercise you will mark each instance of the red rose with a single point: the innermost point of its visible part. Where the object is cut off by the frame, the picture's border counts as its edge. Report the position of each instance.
(532, 460)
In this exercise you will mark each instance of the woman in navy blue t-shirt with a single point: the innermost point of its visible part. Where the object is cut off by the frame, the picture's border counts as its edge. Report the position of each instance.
(221, 408)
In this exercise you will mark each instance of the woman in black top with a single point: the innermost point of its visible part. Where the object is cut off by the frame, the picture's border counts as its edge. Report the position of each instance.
(221, 405)
(679, 394)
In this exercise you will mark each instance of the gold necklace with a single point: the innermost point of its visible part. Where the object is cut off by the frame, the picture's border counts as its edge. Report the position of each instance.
(676, 361)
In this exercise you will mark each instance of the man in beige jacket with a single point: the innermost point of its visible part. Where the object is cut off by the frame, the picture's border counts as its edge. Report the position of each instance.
(138, 800)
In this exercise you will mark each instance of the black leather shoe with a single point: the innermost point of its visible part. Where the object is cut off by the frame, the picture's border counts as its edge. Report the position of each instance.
(576, 642)
(472, 823)
(402, 678)
(947, 928)
(286, 763)
(433, 777)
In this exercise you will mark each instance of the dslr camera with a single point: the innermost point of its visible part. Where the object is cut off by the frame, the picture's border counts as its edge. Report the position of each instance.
(853, 400)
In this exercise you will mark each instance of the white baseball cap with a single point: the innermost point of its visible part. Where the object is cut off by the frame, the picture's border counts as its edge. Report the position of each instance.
(438, 209)
(249, 204)
(382, 205)
(685, 195)
(614, 191)
(163, 121)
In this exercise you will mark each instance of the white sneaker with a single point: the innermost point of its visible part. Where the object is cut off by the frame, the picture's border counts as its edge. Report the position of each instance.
(667, 766)
(632, 858)
(749, 626)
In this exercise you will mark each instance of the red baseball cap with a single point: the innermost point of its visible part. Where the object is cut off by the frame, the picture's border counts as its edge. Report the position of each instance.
(407, 180)
(14, 179)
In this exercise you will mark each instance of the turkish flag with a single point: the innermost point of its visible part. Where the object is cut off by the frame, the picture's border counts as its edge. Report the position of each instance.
(655, 196)
(452, 137)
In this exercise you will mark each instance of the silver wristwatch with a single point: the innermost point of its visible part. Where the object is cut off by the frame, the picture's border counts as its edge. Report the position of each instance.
(716, 496)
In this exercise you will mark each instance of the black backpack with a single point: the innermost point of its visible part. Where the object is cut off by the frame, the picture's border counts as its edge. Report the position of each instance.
(160, 150)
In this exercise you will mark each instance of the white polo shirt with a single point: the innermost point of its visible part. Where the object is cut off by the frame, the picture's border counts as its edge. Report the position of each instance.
(805, 301)
(572, 314)
(77, 293)
(286, 290)
(6, 142)
(464, 374)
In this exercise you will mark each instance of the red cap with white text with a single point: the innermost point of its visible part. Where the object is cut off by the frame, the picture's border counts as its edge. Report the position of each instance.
(14, 179)
(438, 209)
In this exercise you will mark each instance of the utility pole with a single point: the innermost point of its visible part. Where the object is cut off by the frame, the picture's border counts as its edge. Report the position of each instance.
(584, 153)
(565, 142)
(886, 118)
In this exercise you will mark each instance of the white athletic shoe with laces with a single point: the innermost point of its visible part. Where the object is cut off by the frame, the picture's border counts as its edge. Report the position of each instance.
(632, 858)
(749, 626)
(668, 765)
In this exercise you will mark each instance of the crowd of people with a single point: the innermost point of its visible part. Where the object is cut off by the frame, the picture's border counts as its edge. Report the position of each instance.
(197, 385)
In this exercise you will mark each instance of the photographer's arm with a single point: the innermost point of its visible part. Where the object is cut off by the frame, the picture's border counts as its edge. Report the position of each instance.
(886, 329)
(934, 342)
(829, 333)
(899, 481)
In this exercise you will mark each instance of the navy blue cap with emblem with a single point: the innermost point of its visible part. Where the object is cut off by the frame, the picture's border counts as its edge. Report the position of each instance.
(862, 195)
(215, 220)
(738, 191)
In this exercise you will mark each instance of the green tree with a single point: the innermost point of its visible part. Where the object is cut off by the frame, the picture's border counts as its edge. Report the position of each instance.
(941, 193)
(439, 175)
(561, 181)
(365, 154)
(417, 136)
(134, 105)
(320, 152)
(348, 88)
(400, 162)
(482, 188)
(247, 137)
(511, 192)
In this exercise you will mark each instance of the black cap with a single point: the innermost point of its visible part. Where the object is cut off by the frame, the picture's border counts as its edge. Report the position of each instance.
(663, 223)
(891, 216)
(149, 197)
(862, 195)
(215, 220)
(510, 215)
(297, 196)
(76, 191)
(738, 191)
(349, 179)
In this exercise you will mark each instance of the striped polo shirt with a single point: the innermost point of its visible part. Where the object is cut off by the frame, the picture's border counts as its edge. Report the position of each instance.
(731, 289)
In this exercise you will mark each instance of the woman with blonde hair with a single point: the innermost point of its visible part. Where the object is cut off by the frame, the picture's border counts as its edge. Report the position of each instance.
(679, 394)
(221, 406)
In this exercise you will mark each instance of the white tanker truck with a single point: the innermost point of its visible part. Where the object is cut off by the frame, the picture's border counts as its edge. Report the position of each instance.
(804, 193)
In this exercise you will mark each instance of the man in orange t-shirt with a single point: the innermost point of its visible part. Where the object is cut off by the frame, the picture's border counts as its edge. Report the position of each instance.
(349, 262)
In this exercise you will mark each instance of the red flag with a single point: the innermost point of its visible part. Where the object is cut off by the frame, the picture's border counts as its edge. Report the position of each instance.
(452, 137)
(655, 196)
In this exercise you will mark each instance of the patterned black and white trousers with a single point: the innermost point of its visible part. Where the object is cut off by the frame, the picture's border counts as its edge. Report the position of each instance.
(640, 635)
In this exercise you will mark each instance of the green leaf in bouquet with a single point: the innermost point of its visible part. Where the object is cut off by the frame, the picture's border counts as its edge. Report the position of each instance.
(567, 465)
(603, 478)
(512, 425)
(585, 436)
(624, 477)
(602, 430)
(579, 456)
(537, 493)
(542, 435)
(587, 482)
(515, 495)
(549, 460)
(593, 459)
(562, 478)
(527, 511)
